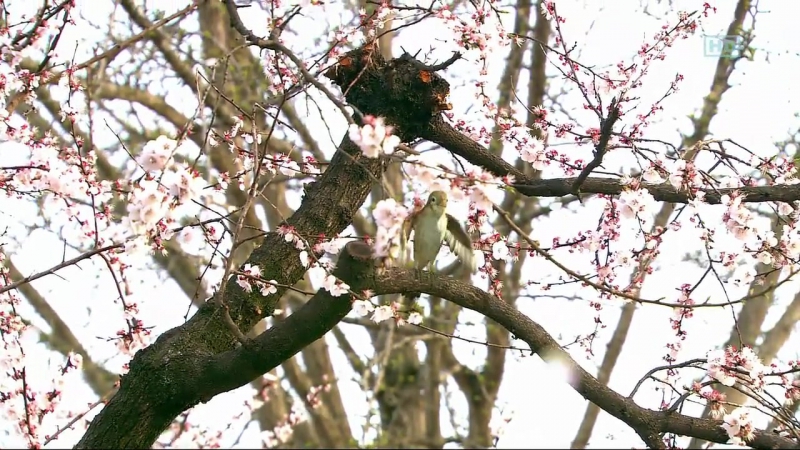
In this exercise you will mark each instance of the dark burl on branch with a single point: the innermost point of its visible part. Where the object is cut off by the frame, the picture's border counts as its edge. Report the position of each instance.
(402, 90)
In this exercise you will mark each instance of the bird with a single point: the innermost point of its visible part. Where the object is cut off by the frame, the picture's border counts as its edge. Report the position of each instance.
(432, 225)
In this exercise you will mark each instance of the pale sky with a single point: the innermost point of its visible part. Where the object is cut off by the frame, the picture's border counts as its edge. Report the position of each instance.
(757, 111)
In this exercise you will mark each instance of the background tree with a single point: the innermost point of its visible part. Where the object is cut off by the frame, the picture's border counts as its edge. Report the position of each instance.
(252, 134)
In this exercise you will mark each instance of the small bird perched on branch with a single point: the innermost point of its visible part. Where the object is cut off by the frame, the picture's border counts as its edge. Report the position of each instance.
(431, 226)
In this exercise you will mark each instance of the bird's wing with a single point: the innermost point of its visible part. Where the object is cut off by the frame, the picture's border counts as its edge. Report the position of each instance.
(408, 225)
(459, 242)
(405, 233)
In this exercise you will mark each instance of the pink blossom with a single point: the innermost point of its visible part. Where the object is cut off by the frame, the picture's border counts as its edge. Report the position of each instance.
(374, 138)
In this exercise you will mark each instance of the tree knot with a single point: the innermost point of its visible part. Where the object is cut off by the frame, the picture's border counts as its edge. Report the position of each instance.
(405, 91)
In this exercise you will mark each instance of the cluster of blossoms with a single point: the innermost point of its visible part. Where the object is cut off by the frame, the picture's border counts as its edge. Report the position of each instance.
(533, 151)
(62, 172)
(502, 249)
(428, 177)
(60, 175)
(638, 203)
(382, 14)
(767, 248)
(375, 138)
(318, 271)
(251, 276)
(480, 32)
(385, 312)
(485, 187)
(389, 217)
(728, 365)
(166, 185)
(365, 30)
(739, 426)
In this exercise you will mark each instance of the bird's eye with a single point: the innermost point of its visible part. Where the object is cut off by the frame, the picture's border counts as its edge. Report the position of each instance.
(433, 199)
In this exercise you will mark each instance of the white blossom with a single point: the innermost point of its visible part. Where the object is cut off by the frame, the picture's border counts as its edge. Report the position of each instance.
(363, 307)
(739, 426)
(374, 137)
(500, 251)
(335, 286)
(382, 313)
(415, 318)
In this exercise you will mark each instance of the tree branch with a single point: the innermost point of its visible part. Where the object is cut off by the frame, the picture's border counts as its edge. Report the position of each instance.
(235, 368)
(647, 423)
(197, 376)
(442, 133)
